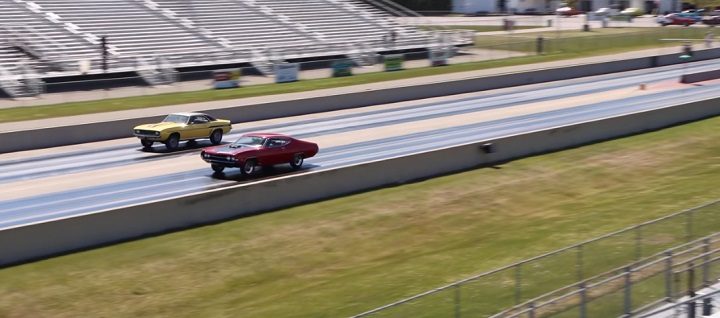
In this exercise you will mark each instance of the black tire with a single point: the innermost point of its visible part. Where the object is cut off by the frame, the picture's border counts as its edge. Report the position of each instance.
(249, 167)
(686, 24)
(146, 143)
(297, 161)
(172, 142)
(216, 137)
(217, 168)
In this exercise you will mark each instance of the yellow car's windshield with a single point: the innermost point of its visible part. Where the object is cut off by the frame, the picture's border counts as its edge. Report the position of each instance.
(174, 118)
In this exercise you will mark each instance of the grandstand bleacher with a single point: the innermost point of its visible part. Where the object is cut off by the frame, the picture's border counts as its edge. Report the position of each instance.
(50, 38)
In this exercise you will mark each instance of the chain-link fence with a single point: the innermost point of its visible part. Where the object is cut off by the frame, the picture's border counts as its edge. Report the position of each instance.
(523, 286)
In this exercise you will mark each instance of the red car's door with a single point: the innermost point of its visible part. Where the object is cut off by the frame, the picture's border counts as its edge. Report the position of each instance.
(275, 151)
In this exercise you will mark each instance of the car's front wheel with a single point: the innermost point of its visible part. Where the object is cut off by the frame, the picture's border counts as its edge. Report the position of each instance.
(172, 142)
(146, 143)
(297, 161)
(248, 167)
(217, 168)
(216, 137)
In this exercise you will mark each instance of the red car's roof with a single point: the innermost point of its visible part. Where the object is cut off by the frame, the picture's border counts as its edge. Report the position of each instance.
(265, 135)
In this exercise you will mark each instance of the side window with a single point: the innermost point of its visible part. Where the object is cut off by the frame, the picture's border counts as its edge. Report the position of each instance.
(275, 142)
(198, 120)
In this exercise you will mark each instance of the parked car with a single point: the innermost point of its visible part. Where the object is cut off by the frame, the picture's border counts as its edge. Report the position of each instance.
(606, 12)
(690, 15)
(567, 11)
(675, 19)
(711, 20)
(634, 12)
(259, 149)
(182, 126)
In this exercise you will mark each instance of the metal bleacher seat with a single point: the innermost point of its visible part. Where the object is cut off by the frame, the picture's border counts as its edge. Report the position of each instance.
(57, 34)
(131, 29)
(54, 44)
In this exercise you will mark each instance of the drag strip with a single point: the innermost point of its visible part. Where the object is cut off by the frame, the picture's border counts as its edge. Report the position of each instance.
(63, 204)
(129, 153)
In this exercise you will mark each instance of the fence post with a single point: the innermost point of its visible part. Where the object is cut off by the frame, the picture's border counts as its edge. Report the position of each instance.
(676, 286)
(691, 290)
(457, 301)
(583, 300)
(518, 283)
(628, 292)
(668, 275)
(706, 263)
(531, 313)
(691, 279)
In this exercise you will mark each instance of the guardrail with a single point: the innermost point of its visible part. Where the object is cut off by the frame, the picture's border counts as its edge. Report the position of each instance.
(35, 241)
(660, 273)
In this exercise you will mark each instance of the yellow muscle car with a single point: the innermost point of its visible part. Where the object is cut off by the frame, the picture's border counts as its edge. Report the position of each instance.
(182, 126)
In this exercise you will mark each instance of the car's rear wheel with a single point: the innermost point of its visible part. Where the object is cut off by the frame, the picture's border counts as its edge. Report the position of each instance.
(217, 168)
(146, 143)
(248, 167)
(216, 137)
(172, 142)
(297, 161)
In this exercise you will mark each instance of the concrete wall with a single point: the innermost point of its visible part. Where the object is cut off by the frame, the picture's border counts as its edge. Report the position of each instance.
(36, 241)
(700, 77)
(67, 135)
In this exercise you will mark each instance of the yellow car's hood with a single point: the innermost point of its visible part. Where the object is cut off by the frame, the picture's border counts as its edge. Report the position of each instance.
(159, 126)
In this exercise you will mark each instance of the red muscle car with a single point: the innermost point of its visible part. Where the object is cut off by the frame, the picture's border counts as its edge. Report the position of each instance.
(259, 149)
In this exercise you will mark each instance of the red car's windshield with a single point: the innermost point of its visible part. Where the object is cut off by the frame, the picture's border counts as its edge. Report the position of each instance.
(249, 141)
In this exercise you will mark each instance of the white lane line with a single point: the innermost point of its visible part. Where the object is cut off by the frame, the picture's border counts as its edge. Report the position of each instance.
(84, 197)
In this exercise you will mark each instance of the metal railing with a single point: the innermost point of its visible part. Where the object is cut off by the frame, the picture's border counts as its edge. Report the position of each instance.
(489, 293)
(690, 306)
(21, 82)
(669, 266)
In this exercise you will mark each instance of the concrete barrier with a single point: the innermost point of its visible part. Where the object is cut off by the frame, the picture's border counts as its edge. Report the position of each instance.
(31, 242)
(90, 132)
(700, 77)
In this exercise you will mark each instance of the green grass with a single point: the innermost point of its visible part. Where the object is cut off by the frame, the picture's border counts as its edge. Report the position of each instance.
(343, 256)
(571, 44)
(599, 39)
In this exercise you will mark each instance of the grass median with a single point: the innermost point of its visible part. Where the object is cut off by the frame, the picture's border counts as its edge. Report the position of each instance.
(565, 45)
(343, 256)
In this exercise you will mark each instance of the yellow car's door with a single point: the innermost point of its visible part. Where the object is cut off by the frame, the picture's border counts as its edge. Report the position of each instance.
(198, 127)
